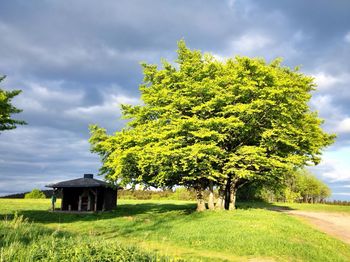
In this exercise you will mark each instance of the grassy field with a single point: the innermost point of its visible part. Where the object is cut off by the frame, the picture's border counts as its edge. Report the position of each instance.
(297, 206)
(164, 230)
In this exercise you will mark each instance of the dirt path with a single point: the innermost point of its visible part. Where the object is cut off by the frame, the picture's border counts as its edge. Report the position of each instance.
(335, 224)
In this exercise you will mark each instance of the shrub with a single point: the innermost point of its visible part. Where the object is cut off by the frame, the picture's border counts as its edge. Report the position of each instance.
(182, 193)
(36, 193)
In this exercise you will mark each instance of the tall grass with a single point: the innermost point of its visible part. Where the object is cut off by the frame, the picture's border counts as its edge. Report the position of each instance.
(22, 240)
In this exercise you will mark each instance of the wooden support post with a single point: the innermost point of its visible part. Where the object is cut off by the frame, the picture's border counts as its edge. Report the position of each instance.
(62, 202)
(104, 199)
(89, 203)
(95, 209)
(79, 204)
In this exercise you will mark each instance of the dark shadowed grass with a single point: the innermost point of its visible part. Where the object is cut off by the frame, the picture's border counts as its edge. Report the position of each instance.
(174, 229)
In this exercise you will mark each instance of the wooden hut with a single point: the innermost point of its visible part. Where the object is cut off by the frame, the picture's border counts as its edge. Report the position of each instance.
(86, 194)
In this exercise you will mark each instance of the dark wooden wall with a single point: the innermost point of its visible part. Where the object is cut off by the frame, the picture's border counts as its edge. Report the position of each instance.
(106, 198)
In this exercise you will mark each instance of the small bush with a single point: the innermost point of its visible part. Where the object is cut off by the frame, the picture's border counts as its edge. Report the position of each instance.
(36, 193)
(182, 193)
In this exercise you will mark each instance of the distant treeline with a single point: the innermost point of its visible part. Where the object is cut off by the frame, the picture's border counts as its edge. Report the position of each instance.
(48, 194)
(338, 202)
(302, 187)
(182, 193)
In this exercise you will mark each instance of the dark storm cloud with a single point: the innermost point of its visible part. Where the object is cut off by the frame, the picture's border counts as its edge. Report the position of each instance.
(96, 43)
(76, 62)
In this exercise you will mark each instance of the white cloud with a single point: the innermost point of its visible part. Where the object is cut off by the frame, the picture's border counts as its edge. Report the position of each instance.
(320, 102)
(250, 42)
(220, 57)
(341, 186)
(45, 142)
(41, 152)
(342, 194)
(110, 108)
(327, 110)
(324, 80)
(29, 104)
(329, 82)
(50, 96)
(330, 99)
(231, 3)
(347, 37)
(53, 92)
(344, 126)
(335, 165)
(265, 44)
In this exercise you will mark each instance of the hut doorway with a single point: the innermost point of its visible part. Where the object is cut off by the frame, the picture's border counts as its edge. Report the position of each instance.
(87, 201)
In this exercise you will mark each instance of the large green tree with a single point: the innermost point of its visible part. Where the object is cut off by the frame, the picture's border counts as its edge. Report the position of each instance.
(7, 109)
(206, 123)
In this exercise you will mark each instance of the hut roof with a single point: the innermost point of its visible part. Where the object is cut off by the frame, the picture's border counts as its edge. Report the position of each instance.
(86, 181)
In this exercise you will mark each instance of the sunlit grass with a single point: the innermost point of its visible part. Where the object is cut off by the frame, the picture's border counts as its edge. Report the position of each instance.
(316, 207)
(173, 229)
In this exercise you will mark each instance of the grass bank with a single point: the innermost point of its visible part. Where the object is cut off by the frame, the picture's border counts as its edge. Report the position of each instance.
(22, 240)
(172, 229)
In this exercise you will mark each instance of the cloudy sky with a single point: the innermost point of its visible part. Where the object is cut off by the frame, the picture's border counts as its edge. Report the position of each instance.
(77, 61)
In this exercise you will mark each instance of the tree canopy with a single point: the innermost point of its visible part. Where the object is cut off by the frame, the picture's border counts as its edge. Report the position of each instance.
(7, 109)
(308, 188)
(206, 122)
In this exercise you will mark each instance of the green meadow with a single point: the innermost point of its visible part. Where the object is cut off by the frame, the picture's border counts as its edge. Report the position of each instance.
(164, 231)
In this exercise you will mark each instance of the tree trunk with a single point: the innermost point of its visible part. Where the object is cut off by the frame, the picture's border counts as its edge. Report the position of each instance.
(228, 193)
(211, 196)
(220, 203)
(232, 205)
(200, 199)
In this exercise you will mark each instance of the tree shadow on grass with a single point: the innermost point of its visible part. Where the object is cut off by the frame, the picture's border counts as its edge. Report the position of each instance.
(122, 210)
(130, 210)
(262, 205)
